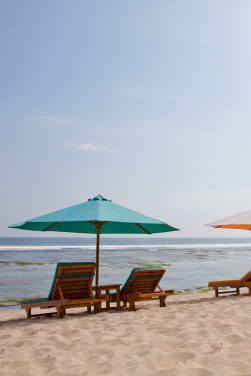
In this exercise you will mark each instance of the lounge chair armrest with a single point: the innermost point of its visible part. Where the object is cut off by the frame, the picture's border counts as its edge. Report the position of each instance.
(153, 294)
(46, 304)
(166, 291)
(140, 295)
(158, 286)
(87, 300)
(224, 283)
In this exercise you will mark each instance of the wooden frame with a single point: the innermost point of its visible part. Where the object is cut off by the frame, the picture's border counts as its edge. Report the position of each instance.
(236, 284)
(108, 289)
(58, 304)
(141, 286)
(71, 288)
(140, 297)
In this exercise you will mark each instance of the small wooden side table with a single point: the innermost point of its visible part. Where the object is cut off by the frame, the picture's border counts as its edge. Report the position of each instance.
(108, 289)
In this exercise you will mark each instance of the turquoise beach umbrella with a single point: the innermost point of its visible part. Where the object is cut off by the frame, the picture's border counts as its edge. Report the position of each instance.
(96, 216)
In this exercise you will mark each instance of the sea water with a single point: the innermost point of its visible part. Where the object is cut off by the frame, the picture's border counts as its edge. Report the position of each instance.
(27, 265)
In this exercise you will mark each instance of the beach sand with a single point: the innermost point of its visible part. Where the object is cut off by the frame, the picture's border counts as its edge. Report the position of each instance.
(194, 335)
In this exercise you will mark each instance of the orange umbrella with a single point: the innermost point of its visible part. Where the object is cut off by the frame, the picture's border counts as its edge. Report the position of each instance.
(240, 221)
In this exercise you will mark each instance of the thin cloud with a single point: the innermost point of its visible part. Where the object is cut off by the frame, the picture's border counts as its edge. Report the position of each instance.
(86, 147)
(50, 119)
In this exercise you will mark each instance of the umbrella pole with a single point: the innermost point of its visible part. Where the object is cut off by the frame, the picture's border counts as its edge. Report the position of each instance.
(97, 253)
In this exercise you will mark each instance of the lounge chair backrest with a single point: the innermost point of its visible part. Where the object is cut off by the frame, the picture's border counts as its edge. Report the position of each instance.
(246, 277)
(144, 280)
(74, 279)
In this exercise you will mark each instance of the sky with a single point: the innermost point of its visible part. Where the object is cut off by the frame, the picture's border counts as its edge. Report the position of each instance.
(145, 102)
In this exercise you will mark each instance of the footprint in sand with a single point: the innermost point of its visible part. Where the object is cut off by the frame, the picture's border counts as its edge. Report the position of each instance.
(156, 360)
(5, 336)
(16, 364)
(203, 333)
(233, 339)
(38, 352)
(180, 357)
(104, 352)
(197, 372)
(69, 333)
(18, 344)
(113, 342)
(163, 344)
(46, 361)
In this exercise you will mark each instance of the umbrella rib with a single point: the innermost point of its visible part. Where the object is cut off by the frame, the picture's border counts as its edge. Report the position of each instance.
(51, 226)
(98, 223)
(142, 228)
(170, 226)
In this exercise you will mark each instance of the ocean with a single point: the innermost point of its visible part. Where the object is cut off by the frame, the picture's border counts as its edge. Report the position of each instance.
(27, 265)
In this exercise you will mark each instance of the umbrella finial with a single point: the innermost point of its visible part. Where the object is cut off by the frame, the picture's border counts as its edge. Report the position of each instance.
(99, 197)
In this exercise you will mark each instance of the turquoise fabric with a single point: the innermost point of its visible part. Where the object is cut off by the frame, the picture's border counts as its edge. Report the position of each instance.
(120, 220)
(54, 280)
(34, 300)
(131, 274)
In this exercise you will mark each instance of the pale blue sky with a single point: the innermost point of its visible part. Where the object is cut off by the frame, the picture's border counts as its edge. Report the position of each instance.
(147, 102)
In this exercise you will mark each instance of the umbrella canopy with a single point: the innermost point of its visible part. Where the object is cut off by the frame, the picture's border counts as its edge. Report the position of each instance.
(240, 221)
(96, 216)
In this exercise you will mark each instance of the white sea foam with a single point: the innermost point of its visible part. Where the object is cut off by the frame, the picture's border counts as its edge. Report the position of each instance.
(4, 248)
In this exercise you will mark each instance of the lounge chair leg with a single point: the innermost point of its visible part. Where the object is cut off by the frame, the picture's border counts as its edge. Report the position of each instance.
(249, 291)
(28, 313)
(118, 302)
(237, 291)
(89, 309)
(124, 304)
(216, 292)
(162, 301)
(60, 314)
(95, 308)
(132, 306)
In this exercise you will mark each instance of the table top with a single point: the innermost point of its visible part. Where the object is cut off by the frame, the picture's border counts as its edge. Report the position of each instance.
(103, 287)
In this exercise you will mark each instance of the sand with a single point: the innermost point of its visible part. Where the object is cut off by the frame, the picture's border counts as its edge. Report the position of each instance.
(195, 335)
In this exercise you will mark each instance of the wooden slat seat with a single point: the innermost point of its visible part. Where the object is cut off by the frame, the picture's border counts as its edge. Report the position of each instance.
(71, 287)
(141, 285)
(236, 284)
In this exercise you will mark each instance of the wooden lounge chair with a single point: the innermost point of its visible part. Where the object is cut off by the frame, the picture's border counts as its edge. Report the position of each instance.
(71, 287)
(141, 285)
(245, 281)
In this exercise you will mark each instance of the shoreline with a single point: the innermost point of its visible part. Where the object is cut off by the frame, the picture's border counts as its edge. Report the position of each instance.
(28, 274)
(4, 308)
